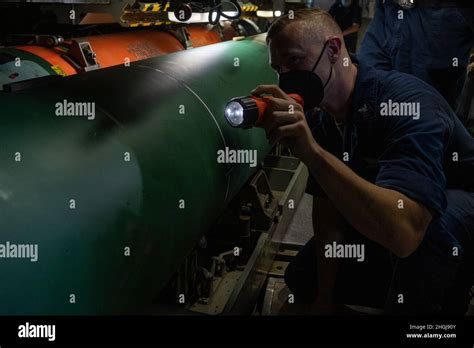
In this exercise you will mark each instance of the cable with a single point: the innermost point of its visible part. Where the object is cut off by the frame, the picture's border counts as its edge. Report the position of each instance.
(216, 7)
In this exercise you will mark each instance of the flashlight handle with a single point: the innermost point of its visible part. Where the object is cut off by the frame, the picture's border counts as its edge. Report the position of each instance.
(294, 96)
(297, 98)
(261, 103)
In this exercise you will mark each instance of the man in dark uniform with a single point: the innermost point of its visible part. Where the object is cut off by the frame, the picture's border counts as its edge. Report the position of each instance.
(347, 14)
(392, 174)
(430, 39)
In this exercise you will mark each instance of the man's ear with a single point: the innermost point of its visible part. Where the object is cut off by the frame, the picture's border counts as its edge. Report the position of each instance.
(334, 49)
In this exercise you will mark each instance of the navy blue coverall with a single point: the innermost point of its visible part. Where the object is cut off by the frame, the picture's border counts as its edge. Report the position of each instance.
(431, 43)
(427, 156)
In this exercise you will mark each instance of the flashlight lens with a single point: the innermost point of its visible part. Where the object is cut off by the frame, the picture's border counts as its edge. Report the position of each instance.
(234, 113)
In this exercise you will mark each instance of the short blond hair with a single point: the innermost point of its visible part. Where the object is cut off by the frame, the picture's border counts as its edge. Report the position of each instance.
(315, 21)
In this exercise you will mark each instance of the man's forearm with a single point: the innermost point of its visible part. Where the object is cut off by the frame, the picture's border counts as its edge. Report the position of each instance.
(372, 210)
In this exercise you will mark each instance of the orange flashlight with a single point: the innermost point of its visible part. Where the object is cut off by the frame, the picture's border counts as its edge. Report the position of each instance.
(245, 112)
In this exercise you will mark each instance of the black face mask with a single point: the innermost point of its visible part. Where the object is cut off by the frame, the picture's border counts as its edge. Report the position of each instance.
(305, 83)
